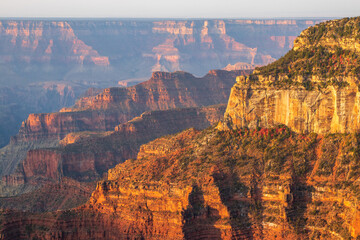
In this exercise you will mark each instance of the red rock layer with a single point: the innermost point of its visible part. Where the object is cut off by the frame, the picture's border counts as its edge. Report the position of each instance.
(118, 105)
(44, 163)
(244, 184)
(86, 156)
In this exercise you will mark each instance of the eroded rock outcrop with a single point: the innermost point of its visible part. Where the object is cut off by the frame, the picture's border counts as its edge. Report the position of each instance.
(102, 53)
(259, 184)
(239, 180)
(331, 109)
(117, 105)
(85, 156)
(314, 88)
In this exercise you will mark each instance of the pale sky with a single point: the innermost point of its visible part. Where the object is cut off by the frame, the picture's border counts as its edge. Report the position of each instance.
(179, 8)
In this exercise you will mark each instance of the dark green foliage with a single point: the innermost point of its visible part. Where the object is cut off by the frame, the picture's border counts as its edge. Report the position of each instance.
(316, 59)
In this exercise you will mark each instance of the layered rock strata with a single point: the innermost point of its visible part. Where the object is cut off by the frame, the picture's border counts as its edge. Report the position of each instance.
(102, 53)
(259, 184)
(113, 106)
(118, 105)
(240, 180)
(313, 88)
(85, 156)
(329, 110)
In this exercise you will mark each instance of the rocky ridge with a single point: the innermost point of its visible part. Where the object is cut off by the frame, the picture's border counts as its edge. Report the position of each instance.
(99, 53)
(260, 184)
(113, 106)
(85, 156)
(119, 105)
(245, 179)
(313, 88)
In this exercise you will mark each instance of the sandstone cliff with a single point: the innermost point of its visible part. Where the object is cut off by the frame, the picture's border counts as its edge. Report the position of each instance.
(241, 180)
(114, 106)
(118, 105)
(85, 156)
(313, 88)
(103, 53)
(235, 184)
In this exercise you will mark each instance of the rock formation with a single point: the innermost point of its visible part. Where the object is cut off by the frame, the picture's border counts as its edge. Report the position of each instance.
(114, 106)
(85, 156)
(313, 88)
(118, 105)
(250, 177)
(265, 184)
(83, 53)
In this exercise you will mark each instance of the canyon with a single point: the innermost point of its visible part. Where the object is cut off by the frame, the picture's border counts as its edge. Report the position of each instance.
(282, 164)
(322, 99)
(266, 184)
(83, 157)
(113, 106)
(116, 105)
(39, 56)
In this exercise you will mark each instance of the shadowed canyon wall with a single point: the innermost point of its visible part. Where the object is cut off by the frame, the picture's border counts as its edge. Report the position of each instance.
(237, 184)
(83, 158)
(113, 106)
(118, 105)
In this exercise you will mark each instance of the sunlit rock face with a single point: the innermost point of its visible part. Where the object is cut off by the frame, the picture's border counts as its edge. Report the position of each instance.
(269, 183)
(313, 88)
(79, 54)
(331, 110)
(84, 157)
(117, 105)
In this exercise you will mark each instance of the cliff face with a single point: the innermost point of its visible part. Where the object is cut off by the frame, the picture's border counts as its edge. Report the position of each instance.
(85, 156)
(313, 88)
(118, 105)
(331, 110)
(259, 184)
(85, 53)
(43, 41)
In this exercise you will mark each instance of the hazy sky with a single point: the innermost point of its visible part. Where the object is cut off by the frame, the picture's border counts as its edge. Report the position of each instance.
(179, 8)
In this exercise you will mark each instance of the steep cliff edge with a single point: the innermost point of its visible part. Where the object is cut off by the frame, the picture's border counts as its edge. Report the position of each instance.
(84, 157)
(313, 88)
(118, 105)
(235, 184)
(114, 106)
(240, 180)
(102, 53)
